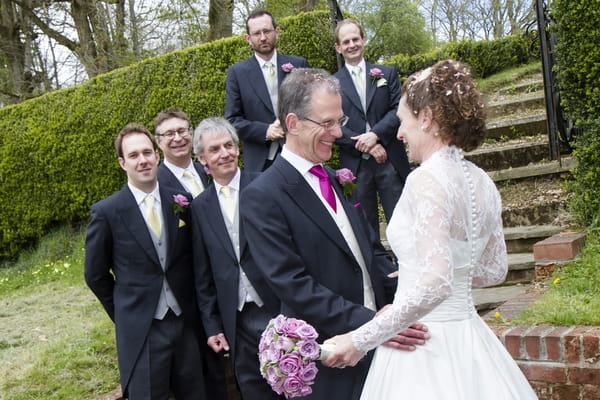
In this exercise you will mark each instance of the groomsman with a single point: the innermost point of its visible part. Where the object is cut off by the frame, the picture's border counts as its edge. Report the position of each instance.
(368, 145)
(230, 300)
(139, 264)
(251, 92)
(312, 244)
(173, 133)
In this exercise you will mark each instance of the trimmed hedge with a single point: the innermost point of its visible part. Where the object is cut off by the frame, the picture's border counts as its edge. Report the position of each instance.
(578, 72)
(56, 151)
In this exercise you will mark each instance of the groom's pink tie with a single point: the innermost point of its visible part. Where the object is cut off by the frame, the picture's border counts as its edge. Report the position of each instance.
(326, 189)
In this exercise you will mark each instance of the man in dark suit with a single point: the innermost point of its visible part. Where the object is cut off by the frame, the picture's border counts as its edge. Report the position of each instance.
(230, 300)
(312, 245)
(368, 146)
(173, 133)
(251, 92)
(139, 264)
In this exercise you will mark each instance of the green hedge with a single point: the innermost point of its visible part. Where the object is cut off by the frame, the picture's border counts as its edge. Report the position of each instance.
(56, 154)
(485, 57)
(578, 71)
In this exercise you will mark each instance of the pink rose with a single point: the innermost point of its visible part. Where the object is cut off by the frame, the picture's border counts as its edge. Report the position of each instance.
(292, 385)
(344, 175)
(307, 332)
(308, 348)
(290, 363)
(287, 67)
(376, 72)
(291, 327)
(308, 372)
(181, 200)
(284, 344)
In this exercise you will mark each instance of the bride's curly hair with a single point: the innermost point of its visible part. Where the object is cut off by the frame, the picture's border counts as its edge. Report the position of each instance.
(448, 89)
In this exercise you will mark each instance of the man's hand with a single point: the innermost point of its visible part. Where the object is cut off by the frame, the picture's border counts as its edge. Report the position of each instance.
(365, 141)
(378, 153)
(275, 131)
(218, 342)
(415, 335)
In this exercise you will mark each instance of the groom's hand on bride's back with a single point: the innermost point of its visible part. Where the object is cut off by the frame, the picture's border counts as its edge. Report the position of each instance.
(408, 339)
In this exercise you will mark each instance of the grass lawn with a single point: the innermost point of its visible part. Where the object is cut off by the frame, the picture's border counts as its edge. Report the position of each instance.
(56, 341)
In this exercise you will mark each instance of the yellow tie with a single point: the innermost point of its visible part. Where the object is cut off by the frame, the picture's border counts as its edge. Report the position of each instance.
(270, 74)
(151, 216)
(359, 80)
(228, 203)
(195, 189)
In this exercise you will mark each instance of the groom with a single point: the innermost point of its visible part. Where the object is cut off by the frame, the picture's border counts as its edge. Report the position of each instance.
(316, 250)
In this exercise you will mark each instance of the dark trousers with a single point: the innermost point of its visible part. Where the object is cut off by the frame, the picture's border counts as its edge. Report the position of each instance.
(251, 322)
(377, 182)
(169, 362)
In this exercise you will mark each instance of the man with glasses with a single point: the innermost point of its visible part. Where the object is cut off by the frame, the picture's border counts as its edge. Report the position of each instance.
(312, 245)
(368, 146)
(251, 92)
(173, 133)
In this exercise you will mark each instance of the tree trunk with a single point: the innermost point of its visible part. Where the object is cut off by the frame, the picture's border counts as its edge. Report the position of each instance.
(220, 19)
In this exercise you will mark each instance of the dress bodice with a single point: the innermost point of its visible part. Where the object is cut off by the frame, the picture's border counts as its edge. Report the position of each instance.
(446, 232)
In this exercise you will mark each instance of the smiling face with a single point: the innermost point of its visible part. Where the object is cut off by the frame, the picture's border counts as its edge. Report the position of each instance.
(220, 154)
(178, 148)
(139, 161)
(262, 35)
(310, 140)
(350, 44)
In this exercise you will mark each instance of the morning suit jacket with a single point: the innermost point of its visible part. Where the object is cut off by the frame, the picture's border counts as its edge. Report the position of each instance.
(167, 178)
(123, 270)
(217, 266)
(300, 250)
(382, 104)
(249, 108)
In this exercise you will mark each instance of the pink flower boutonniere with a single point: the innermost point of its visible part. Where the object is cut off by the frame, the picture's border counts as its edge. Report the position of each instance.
(287, 67)
(209, 177)
(180, 203)
(346, 178)
(377, 76)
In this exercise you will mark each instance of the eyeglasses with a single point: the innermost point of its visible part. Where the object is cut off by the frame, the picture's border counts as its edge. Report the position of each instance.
(265, 32)
(182, 132)
(330, 124)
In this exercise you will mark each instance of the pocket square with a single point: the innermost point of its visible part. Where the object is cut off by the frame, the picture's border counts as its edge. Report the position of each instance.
(181, 223)
(381, 82)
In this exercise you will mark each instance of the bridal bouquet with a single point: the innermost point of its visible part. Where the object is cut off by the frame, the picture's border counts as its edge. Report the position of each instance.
(287, 353)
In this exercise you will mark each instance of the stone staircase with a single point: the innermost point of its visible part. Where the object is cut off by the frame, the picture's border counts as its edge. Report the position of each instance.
(517, 158)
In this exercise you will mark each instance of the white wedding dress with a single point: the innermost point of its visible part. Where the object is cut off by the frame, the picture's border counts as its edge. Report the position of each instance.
(446, 232)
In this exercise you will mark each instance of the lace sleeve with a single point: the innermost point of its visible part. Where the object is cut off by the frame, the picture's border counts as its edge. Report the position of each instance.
(427, 206)
(493, 263)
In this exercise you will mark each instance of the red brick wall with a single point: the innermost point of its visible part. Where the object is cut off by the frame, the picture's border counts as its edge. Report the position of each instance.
(561, 362)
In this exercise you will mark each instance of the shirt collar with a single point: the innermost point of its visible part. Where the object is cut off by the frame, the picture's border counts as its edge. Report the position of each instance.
(262, 62)
(140, 195)
(301, 164)
(234, 183)
(178, 171)
(362, 64)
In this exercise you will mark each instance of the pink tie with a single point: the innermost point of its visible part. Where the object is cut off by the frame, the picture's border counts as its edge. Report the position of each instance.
(326, 189)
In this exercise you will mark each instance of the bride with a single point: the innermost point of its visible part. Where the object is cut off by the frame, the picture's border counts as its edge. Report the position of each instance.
(446, 232)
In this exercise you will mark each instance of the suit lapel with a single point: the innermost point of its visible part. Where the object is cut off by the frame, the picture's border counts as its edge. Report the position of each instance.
(349, 90)
(200, 170)
(257, 81)
(217, 223)
(370, 85)
(133, 220)
(307, 200)
(170, 220)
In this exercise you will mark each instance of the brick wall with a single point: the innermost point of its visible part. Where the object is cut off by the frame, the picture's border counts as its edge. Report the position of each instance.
(561, 362)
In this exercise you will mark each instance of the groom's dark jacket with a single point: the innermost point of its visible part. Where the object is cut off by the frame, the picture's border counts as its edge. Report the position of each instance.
(300, 250)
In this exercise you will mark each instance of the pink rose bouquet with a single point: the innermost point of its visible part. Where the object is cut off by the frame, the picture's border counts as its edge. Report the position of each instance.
(287, 353)
(346, 178)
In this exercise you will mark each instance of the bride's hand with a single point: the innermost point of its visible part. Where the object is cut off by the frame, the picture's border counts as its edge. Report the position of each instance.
(344, 354)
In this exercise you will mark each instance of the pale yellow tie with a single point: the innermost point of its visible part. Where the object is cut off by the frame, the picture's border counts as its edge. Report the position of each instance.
(151, 216)
(195, 189)
(359, 80)
(228, 203)
(270, 74)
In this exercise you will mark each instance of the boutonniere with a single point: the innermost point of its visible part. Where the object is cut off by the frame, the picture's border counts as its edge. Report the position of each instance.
(377, 77)
(180, 203)
(346, 178)
(209, 176)
(287, 67)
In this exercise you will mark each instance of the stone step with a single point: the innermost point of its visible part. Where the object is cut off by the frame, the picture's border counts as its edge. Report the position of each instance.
(511, 128)
(512, 154)
(521, 268)
(520, 239)
(534, 214)
(517, 104)
(565, 164)
(527, 86)
(486, 299)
